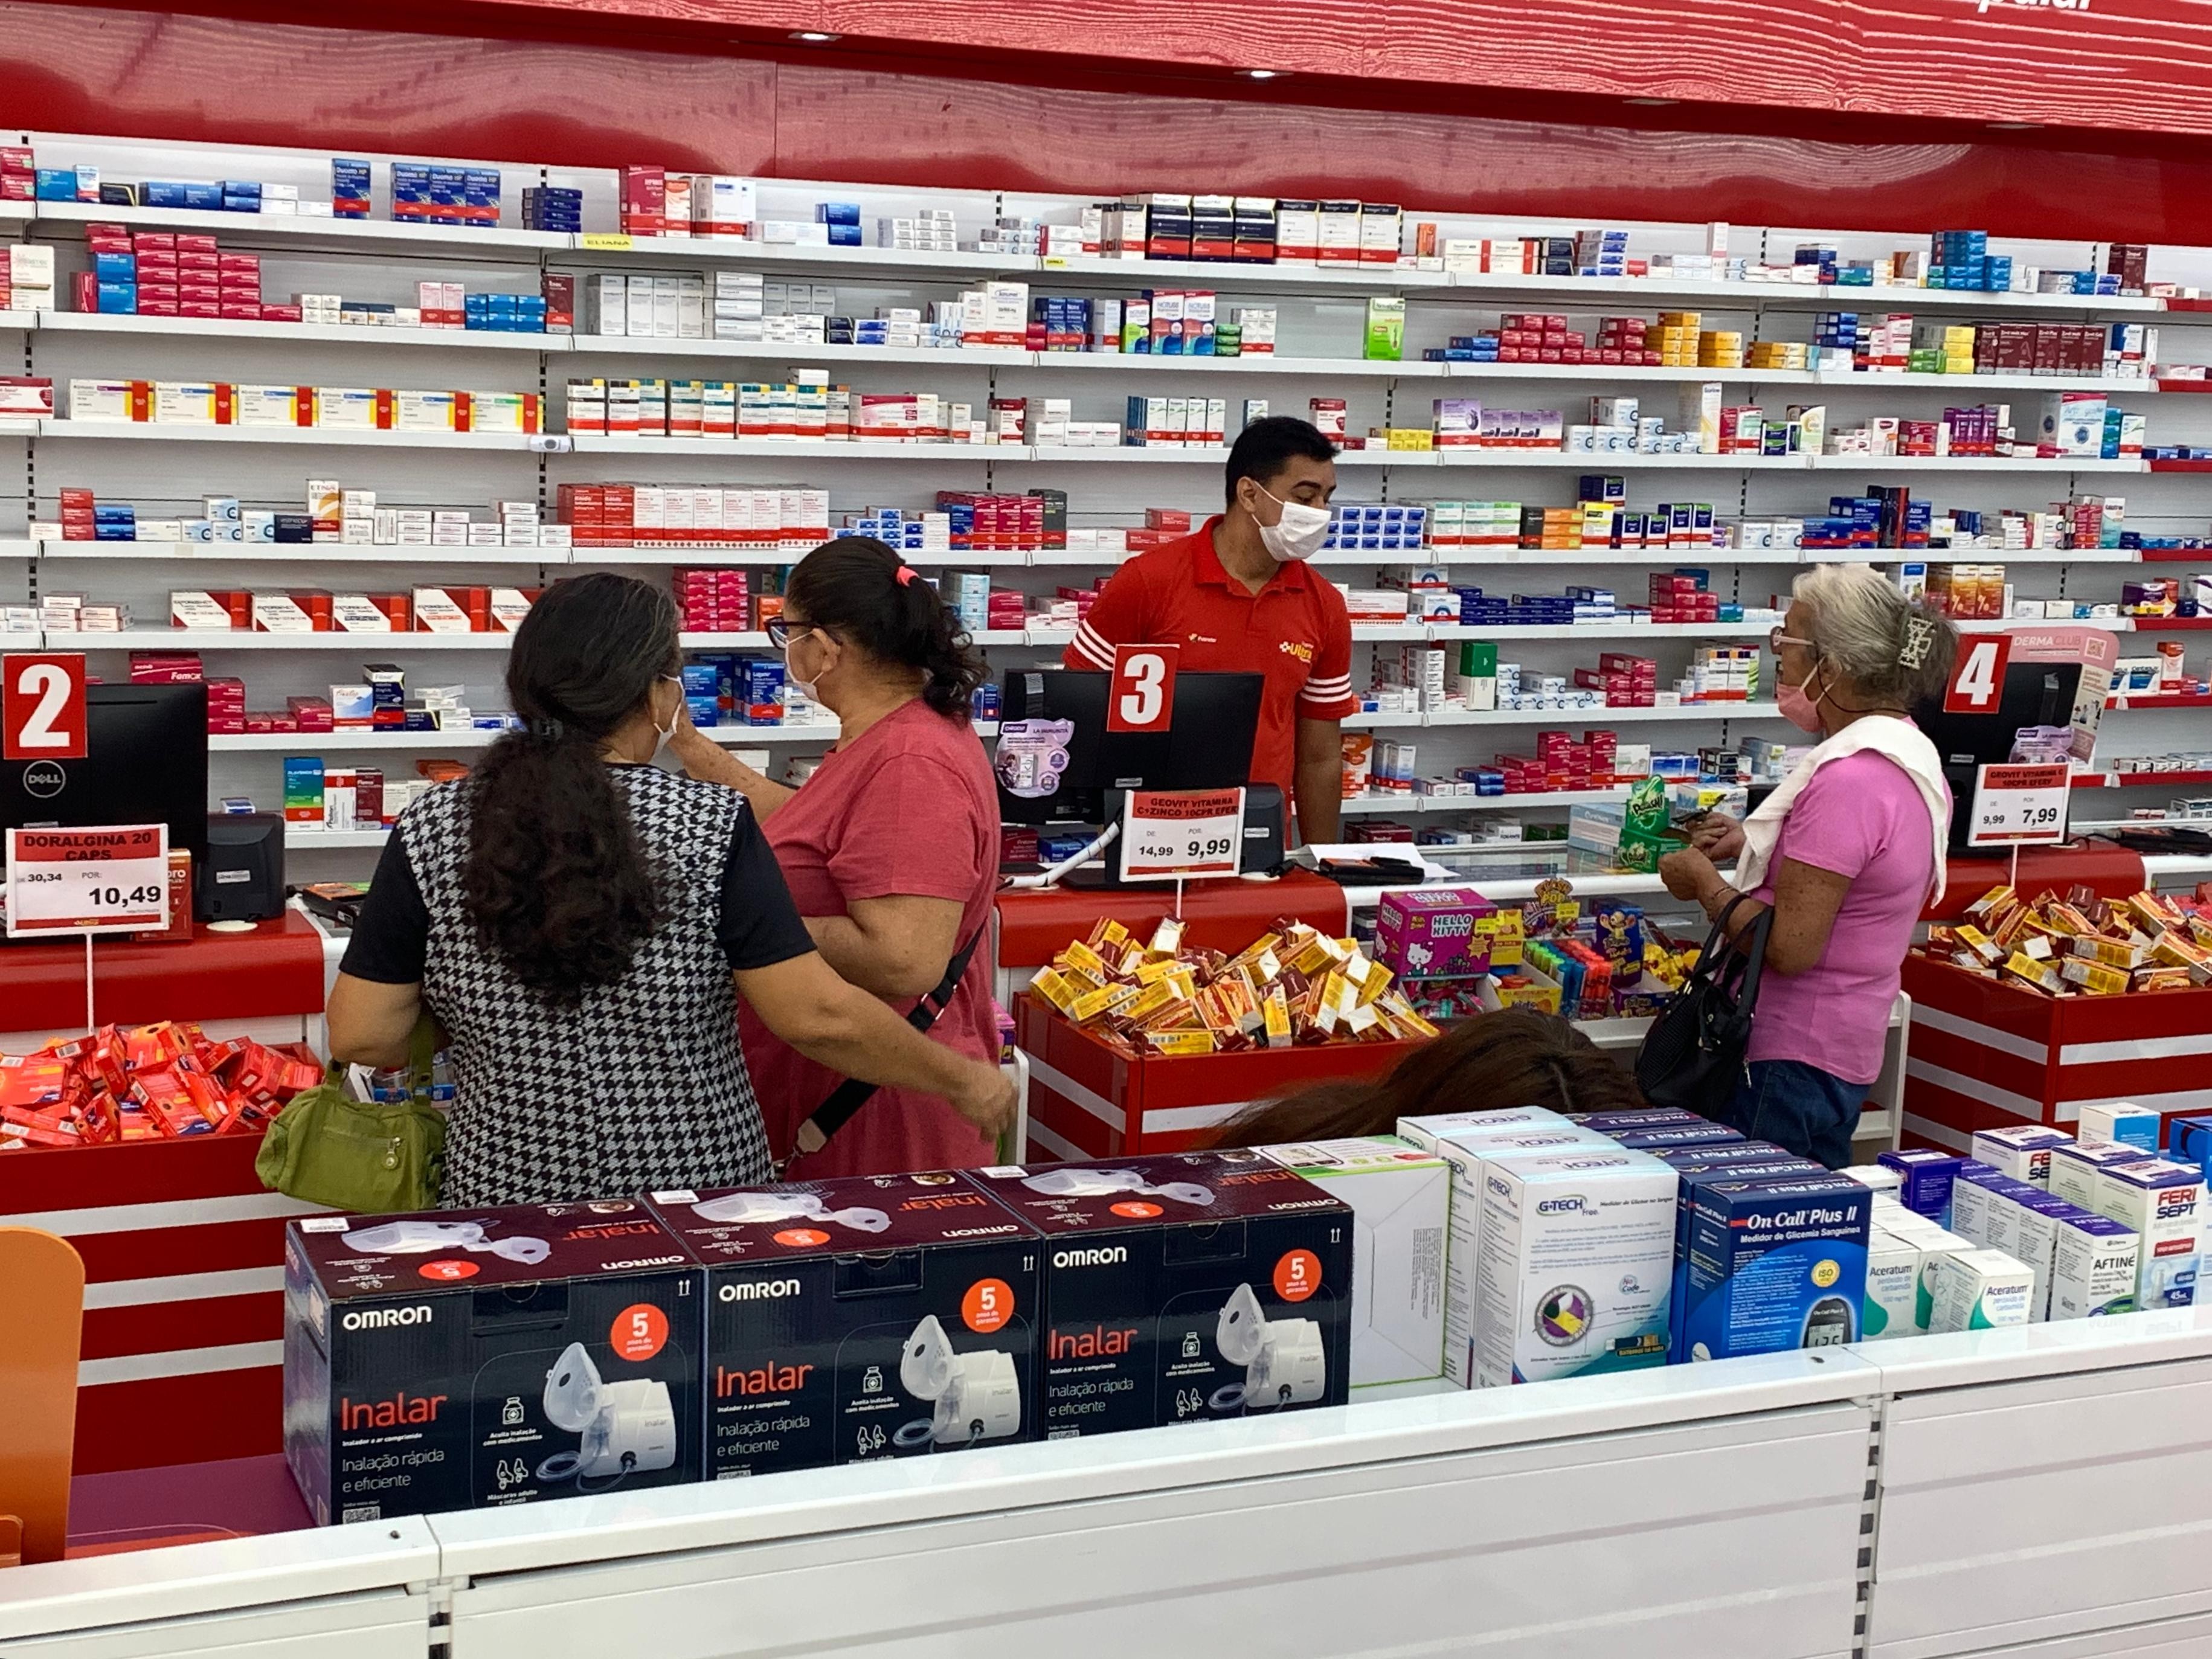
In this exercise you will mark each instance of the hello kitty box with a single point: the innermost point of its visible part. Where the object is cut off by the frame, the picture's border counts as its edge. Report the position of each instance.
(1429, 932)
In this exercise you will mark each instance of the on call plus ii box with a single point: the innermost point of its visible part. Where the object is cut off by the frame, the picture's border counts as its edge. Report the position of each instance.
(1774, 1264)
(461, 1358)
(867, 1317)
(1184, 1288)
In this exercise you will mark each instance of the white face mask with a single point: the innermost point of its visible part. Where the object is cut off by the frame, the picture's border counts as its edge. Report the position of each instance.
(1298, 534)
(805, 688)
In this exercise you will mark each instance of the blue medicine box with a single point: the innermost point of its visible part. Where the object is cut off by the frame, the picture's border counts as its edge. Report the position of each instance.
(1773, 1264)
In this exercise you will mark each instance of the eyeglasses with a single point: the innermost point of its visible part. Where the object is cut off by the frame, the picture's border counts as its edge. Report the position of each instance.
(1776, 639)
(781, 633)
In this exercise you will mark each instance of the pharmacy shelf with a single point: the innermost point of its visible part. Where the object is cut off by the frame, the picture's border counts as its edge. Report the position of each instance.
(92, 322)
(1735, 630)
(797, 354)
(1135, 455)
(2057, 467)
(19, 318)
(292, 230)
(727, 556)
(1373, 277)
(2141, 779)
(1685, 712)
(1395, 805)
(311, 436)
(2007, 555)
(297, 840)
(2142, 700)
(961, 265)
(1257, 362)
(1379, 633)
(740, 737)
(1794, 296)
(342, 554)
(806, 449)
(189, 639)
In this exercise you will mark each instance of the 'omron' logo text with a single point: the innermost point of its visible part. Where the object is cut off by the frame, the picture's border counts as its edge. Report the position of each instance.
(1098, 1258)
(376, 1319)
(759, 1290)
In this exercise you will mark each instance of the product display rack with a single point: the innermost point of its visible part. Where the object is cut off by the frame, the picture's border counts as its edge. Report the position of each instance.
(1320, 308)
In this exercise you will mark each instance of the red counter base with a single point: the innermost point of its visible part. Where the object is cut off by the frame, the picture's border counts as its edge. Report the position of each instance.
(278, 968)
(2114, 871)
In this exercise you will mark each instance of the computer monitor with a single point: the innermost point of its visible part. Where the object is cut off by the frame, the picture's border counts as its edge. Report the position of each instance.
(2033, 694)
(1208, 744)
(146, 761)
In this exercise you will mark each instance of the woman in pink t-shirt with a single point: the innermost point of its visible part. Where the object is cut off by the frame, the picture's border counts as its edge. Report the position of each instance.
(891, 851)
(1844, 855)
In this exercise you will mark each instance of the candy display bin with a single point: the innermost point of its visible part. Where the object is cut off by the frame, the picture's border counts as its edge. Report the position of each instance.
(1988, 1055)
(1088, 1099)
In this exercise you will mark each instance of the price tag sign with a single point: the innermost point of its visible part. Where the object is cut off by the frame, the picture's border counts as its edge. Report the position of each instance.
(87, 881)
(1141, 695)
(2020, 805)
(1168, 834)
(42, 706)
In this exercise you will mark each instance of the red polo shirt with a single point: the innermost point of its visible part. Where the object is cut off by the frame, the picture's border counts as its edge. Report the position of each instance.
(1295, 631)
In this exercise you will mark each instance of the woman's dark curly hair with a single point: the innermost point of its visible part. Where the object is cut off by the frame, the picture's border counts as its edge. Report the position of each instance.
(558, 886)
(851, 588)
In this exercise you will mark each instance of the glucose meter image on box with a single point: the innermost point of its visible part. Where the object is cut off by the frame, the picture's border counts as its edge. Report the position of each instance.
(1829, 1324)
(761, 1208)
(976, 1396)
(1283, 1360)
(1103, 1183)
(626, 1427)
(434, 1238)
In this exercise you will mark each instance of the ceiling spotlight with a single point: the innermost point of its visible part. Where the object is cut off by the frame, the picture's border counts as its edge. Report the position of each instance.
(1652, 103)
(1259, 74)
(2015, 126)
(814, 37)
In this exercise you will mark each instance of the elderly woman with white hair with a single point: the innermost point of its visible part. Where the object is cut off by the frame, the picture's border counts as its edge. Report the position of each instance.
(1845, 854)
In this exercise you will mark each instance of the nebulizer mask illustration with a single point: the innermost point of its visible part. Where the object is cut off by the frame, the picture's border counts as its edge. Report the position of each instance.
(1283, 1359)
(1105, 1183)
(761, 1208)
(627, 1427)
(435, 1237)
(977, 1396)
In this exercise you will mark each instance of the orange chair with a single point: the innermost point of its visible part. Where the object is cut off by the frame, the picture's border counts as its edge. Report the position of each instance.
(42, 1311)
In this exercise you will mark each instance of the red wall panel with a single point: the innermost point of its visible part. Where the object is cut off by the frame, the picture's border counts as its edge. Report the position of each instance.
(592, 102)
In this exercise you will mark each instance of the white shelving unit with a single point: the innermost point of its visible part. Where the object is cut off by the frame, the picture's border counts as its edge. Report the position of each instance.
(1320, 334)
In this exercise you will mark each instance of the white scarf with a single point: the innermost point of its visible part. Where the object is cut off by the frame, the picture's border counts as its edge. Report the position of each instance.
(1897, 740)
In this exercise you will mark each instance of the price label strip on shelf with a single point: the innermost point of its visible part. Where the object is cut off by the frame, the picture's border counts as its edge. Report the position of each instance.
(2020, 805)
(1171, 834)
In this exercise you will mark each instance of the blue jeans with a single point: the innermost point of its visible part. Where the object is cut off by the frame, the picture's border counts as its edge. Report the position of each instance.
(1800, 1108)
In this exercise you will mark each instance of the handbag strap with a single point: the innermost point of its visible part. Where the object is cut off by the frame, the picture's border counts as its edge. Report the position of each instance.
(849, 1097)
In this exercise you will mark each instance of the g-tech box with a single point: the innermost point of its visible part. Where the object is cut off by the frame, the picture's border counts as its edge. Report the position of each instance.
(1774, 1263)
(463, 1358)
(1185, 1288)
(862, 1318)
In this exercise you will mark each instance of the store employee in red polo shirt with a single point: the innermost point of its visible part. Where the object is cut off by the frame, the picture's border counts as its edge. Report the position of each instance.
(1238, 597)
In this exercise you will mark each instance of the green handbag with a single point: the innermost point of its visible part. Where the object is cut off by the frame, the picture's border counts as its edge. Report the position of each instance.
(371, 1157)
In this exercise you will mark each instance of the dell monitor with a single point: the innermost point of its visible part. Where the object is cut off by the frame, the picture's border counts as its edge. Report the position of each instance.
(2033, 694)
(145, 761)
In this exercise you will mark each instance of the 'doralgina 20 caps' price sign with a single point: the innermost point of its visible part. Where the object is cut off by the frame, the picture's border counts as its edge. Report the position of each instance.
(2020, 805)
(1167, 833)
(87, 881)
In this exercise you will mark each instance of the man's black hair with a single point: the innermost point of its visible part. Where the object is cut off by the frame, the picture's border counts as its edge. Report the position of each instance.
(1264, 448)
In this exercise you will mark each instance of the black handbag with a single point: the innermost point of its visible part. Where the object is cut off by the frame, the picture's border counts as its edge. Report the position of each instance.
(1693, 1055)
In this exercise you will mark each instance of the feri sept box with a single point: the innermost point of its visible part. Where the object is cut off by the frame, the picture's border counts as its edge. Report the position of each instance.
(1184, 1288)
(1400, 1198)
(863, 1318)
(463, 1358)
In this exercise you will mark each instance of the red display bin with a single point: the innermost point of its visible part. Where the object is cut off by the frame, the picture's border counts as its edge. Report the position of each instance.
(1088, 1099)
(1987, 1055)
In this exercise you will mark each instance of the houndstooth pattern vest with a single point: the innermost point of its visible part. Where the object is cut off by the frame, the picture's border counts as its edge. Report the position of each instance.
(642, 1086)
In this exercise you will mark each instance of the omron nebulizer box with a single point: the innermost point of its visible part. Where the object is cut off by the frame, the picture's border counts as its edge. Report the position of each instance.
(858, 1319)
(1574, 1267)
(463, 1358)
(1400, 1200)
(1774, 1264)
(1184, 1288)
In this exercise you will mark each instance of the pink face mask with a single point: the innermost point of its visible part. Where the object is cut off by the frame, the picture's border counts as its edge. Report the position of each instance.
(1800, 709)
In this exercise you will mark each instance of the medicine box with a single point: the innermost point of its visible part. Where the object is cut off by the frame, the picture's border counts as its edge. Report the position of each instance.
(2121, 1121)
(1977, 1291)
(1434, 933)
(1893, 1276)
(1184, 1288)
(1925, 1180)
(2163, 1203)
(1573, 1268)
(853, 1320)
(2075, 1167)
(2094, 1267)
(2022, 1153)
(1400, 1198)
(467, 1358)
(1774, 1264)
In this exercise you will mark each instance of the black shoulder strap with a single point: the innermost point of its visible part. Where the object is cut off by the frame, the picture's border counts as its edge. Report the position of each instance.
(849, 1097)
